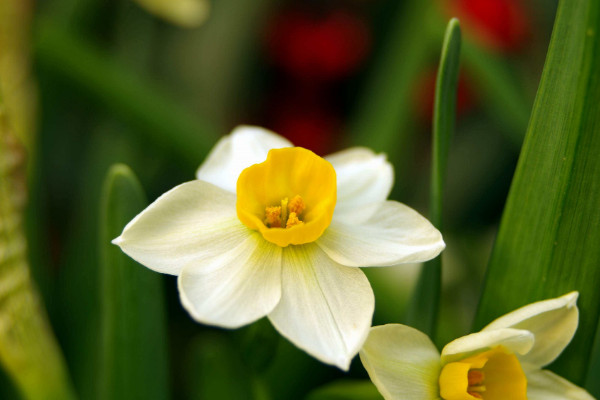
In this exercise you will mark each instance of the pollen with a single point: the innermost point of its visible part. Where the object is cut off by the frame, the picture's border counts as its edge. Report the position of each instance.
(286, 215)
(296, 205)
(475, 378)
(273, 217)
(293, 220)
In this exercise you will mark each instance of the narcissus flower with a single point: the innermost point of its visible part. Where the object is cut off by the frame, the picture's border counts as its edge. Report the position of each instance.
(274, 230)
(503, 361)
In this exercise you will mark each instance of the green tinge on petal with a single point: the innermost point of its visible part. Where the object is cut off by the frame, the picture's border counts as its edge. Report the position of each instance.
(325, 308)
(515, 340)
(553, 323)
(402, 362)
(546, 385)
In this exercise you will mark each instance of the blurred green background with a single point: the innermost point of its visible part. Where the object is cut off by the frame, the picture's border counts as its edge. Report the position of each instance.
(90, 83)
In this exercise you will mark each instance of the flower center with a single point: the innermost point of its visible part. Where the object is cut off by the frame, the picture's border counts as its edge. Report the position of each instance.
(286, 215)
(289, 198)
(492, 375)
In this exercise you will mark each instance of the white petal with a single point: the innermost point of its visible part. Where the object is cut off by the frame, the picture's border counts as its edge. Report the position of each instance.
(553, 322)
(325, 308)
(193, 221)
(402, 362)
(546, 385)
(395, 234)
(363, 178)
(245, 146)
(516, 340)
(236, 288)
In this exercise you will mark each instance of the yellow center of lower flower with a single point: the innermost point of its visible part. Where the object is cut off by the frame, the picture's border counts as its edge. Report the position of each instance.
(492, 375)
(289, 198)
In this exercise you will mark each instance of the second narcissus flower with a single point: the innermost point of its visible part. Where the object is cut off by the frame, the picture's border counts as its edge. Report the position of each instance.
(274, 230)
(502, 362)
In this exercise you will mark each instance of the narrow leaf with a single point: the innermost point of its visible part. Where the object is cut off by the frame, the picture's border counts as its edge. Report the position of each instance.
(134, 354)
(548, 240)
(423, 309)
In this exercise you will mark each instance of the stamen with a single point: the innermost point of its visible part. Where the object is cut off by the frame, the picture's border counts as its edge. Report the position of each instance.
(293, 220)
(296, 205)
(475, 377)
(272, 217)
(476, 387)
(284, 213)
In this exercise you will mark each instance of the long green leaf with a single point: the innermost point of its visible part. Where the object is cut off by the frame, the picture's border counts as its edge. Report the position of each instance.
(548, 240)
(125, 93)
(423, 309)
(134, 354)
(28, 350)
(593, 383)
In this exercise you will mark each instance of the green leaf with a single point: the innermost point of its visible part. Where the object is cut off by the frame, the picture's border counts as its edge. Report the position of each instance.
(134, 353)
(593, 383)
(423, 309)
(548, 240)
(128, 95)
(28, 350)
(216, 371)
(346, 390)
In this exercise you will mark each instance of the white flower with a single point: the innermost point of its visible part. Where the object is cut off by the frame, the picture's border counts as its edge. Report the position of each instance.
(257, 235)
(503, 361)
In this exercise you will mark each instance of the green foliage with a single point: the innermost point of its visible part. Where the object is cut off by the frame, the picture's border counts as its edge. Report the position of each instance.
(128, 95)
(423, 309)
(134, 341)
(216, 371)
(28, 349)
(383, 112)
(592, 383)
(346, 390)
(548, 240)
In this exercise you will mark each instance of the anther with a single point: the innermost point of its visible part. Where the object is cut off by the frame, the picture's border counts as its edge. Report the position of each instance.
(293, 220)
(296, 205)
(475, 377)
(273, 217)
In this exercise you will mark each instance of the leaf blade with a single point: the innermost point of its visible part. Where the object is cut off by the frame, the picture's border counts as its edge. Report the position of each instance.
(547, 242)
(423, 309)
(134, 353)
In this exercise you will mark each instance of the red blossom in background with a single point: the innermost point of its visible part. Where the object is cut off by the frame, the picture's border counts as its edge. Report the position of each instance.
(502, 25)
(310, 47)
(313, 53)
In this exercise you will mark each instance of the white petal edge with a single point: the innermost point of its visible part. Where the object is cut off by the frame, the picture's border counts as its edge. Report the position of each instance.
(516, 340)
(363, 177)
(325, 308)
(546, 385)
(245, 146)
(402, 362)
(236, 288)
(553, 322)
(193, 221)
(394, 234)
